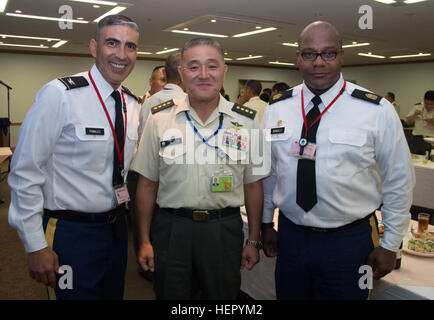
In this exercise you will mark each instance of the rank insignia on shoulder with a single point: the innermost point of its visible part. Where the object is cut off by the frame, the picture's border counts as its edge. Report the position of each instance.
(162, 106)
(247, 112)
(74, 82)
(281, 96)
(367, 96)
(128, 92)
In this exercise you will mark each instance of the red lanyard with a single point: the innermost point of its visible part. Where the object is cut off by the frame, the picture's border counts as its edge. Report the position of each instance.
(119, 152)
(322, 113)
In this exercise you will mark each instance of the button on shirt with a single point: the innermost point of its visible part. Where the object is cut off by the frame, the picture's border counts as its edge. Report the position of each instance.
(170, 91)
(181, 168)
(362, 160)
(57, 163)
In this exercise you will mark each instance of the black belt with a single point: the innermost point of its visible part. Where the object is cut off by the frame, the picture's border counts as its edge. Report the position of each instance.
(203, 214)
(76, 216)
(349, 225)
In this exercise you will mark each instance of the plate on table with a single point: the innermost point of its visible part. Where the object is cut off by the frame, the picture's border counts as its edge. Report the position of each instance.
(419, 244)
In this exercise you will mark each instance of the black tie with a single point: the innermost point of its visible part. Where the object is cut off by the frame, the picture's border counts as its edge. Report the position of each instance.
(306, 180)
(119, 130)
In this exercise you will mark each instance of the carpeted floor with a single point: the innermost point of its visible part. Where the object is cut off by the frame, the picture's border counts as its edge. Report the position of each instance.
(15, 282)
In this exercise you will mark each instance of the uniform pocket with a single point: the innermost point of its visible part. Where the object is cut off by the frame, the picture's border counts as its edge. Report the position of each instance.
(345, 152)
(91, 147)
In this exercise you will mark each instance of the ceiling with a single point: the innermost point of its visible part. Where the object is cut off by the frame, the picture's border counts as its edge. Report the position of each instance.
(398, 29)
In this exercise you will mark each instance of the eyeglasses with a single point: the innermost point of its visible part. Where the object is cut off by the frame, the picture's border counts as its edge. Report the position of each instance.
(326, 55)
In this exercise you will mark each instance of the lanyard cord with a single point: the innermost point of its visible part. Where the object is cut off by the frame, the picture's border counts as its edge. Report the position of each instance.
(199, 135)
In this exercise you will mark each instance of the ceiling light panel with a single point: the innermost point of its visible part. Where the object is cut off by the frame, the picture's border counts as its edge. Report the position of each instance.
(115, 10)
(249, 57)
(4, 36)
(27, 16)
(97, 2)
(370, 55)
(200, 33)
(222, 27)
(411, 56)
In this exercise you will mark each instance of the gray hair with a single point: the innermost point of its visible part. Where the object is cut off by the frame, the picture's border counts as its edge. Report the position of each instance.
(115, 20)
(203, 42)
(171, 68)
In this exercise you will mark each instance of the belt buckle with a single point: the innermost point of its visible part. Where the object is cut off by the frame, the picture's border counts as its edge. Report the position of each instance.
(200, 215)
(111, 218)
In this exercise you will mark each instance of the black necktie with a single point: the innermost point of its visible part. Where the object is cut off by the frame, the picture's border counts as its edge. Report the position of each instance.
(119, 130)
(306, 180)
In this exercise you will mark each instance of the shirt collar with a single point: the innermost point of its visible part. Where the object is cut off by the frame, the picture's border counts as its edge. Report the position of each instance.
(326, 98)
(172, 86)
(104, 88)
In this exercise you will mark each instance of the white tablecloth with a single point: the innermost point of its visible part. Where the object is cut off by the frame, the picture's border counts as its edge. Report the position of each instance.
(423, 191)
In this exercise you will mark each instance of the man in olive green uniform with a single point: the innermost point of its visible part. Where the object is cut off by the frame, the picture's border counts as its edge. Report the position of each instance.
(196, 161)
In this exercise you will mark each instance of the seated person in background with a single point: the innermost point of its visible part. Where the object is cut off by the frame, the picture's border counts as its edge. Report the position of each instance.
(390, 96)
(422, 116)
(279, 88)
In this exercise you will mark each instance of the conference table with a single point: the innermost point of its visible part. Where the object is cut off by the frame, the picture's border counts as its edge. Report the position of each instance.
(413, 281)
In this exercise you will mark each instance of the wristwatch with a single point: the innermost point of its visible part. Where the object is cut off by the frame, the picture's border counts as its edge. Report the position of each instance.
(256, 244)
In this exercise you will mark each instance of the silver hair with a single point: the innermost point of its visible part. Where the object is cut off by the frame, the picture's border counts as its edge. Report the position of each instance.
(203, 42)
(115, 20)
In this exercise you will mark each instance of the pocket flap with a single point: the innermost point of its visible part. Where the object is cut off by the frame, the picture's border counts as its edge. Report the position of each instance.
(350, 137)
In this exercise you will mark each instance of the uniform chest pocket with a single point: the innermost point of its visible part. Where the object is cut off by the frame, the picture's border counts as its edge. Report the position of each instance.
(92, 147)
(346, 151)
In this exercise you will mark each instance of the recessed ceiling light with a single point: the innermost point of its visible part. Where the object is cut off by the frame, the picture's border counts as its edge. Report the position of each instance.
(413, 1)
(281, 63)
(167, 50)
(228, 59)
(253, 32)
(386, 1)
(411, 55)
(115, 10)
(213, 20)
(356, 45)
(143, 52)
(369, 54)
(3, 4)
(249, 57)
(96, 6)
(23, 45)
(97, 2)
(295, 44)
(201, 33)
(186, 29)
(44, 18)
(4, 36)
(258, 27)
(80, 18)
(58, 44)
(18, 11)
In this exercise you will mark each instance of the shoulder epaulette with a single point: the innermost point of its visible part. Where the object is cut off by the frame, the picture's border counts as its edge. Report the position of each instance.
(247, 112)
(162, 106)
(128, 92)
(74, 82)
(367, 96)
(281, 96)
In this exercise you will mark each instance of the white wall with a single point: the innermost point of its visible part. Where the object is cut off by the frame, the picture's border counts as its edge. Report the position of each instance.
(26, 74)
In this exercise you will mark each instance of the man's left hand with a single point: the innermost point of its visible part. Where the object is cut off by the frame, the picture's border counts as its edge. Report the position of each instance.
(382, 261)
(250, 257)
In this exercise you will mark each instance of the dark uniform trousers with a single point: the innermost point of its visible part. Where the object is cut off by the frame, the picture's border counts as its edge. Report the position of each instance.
(195, 259)
(95, 254)
(323, 265)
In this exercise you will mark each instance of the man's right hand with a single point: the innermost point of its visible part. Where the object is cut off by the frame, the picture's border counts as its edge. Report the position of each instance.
(145, 257)
(43, 266)
(269, 242)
